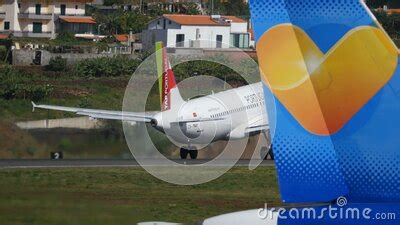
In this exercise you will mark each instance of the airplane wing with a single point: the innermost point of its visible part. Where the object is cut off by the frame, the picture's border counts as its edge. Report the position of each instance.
(102, 114)
(259, 123)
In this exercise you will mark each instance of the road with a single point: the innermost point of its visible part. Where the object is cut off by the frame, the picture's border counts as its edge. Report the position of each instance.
(77, 163)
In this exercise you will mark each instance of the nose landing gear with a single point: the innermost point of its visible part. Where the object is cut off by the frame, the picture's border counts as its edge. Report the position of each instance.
(184, 153)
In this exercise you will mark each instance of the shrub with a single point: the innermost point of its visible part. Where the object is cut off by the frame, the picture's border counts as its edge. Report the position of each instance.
(3, 53)
(202, 67)
(14, 85)
(9, 91)
(38, 92)
(106, 66)
(65, 37)
(9, 84)
(57, 64)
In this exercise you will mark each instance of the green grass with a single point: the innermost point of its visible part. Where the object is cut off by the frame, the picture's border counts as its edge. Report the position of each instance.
(125, 196)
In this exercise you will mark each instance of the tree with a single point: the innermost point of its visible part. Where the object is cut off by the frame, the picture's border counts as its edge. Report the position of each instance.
(57, 64)
(389, 22)
(121, 22)
(112, 2)
(374, 4)
(231, 7)
(191, 8)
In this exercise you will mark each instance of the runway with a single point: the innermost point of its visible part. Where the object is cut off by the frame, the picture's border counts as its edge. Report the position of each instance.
(94, 163)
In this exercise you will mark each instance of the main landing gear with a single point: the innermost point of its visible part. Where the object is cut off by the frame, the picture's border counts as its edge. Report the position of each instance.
(185, 152)
(265, 152)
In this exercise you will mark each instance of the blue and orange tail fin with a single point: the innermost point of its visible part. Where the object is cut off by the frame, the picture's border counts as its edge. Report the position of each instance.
(334, 73)
(168, 89)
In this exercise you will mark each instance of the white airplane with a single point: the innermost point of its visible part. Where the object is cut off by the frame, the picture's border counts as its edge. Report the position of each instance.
(232, 114)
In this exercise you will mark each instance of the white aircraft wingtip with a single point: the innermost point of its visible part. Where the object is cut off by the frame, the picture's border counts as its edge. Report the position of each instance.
(33, 106)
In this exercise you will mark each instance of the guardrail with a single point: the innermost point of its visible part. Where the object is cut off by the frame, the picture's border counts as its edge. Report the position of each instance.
(44, 34)
(48, 16)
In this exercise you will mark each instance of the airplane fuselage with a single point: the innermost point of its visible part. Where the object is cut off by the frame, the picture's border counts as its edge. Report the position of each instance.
(220, 116)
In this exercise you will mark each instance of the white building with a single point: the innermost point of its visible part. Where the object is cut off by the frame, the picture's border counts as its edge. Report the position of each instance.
(43, 18)
(197, 31)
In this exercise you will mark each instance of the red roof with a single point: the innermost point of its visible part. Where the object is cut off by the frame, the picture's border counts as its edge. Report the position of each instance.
(77, 19)
(393, 11)
(202, 20)
(3, 36)
(122, 37)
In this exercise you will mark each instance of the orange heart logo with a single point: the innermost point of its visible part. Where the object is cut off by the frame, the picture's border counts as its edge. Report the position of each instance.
(323, 91)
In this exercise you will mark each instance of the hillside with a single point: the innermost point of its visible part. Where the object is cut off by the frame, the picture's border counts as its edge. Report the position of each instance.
(16, 143)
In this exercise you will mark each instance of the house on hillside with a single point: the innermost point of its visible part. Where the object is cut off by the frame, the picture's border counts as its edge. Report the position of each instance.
(197, 31)
(43, 18)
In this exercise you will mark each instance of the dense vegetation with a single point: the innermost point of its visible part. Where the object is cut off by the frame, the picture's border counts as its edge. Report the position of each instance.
(57, 64)
(121, 22)
(374, 4)
(135, 20)
(3, 54)
(390, 22)
(15, 85)
(232, 7)
(26, 84)
(106, 66)
(37, 83)
(125, 21)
